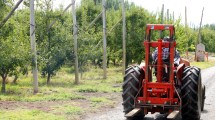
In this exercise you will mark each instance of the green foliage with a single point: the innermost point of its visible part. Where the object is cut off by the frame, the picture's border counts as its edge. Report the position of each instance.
(14, 48)
(136, 23)
(203, 65)
(55, 43)
(181, 37)
(98, 99)
(88, 90)
(45, 95)
(208, 38)
(69, 110)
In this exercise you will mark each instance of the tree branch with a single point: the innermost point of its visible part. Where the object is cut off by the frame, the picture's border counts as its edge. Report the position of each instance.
(9, 15)
(53, 22)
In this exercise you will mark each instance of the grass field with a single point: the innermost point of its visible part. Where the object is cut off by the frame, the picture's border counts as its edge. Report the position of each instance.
(205, 64)
(62, 100)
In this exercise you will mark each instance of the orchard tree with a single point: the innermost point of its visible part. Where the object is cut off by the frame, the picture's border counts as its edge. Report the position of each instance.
(208, 38)
(14, 49)
(136, 22)
(54, 41)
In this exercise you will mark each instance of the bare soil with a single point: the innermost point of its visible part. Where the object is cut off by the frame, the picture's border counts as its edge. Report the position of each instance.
(45, 106)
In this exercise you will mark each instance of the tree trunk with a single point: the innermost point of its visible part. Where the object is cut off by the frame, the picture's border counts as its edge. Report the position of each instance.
(48, 78)
(3, 89)
(108, 61)
(15, 79)
(81, 74)
(114, 62)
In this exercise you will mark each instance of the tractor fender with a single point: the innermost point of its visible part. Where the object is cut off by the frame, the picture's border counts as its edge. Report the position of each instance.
(185, 61)
(179, 73)
(142, 64)
(143, 68)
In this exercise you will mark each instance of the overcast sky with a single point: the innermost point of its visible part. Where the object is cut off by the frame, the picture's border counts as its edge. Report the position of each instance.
(194, 8)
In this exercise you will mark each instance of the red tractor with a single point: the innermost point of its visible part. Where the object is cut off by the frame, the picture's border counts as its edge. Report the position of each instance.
(162, 85)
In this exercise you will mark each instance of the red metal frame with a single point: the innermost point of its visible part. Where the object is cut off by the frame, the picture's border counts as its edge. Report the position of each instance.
(158, 93)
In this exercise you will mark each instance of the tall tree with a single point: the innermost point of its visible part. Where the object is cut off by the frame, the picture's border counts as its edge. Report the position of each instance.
(13, 46)
(53, 38)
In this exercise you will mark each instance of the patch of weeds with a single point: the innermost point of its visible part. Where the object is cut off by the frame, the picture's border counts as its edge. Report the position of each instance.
(4, 97)
(52, 97)
(67, 70)
(99, 101)
(25, 114)
(45, 94)
(203, 65)
(107, 88)
(14, 90)
(70, 111)
(119, 81)
(117, 89)
(88, 90)
(104, 86)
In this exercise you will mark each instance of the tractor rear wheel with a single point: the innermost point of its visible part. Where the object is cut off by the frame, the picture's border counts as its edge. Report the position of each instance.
(191, 93)
(132, 82)
(203, 98)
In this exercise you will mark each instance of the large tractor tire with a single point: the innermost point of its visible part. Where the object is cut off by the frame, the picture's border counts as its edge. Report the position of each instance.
(203, 98)
(191, 92)
(132, 82)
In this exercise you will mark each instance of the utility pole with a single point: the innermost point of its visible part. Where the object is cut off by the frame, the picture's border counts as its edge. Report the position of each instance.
(162, 11)
(173, 17)
(123, 37)
(199, 36)
(75, 37)
(186, 19)
(167, 15)
(200, 26)
(33, 47)
(186, 31)
(104, 39)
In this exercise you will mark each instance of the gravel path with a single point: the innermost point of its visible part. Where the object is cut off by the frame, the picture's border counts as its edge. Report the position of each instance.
(208, 79)
(208, 76)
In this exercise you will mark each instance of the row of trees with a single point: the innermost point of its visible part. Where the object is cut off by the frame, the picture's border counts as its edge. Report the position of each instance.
(55, 42)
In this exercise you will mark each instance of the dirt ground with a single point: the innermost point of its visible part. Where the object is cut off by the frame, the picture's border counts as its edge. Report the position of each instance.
(49, 106)
(45, 106)
(115, 111)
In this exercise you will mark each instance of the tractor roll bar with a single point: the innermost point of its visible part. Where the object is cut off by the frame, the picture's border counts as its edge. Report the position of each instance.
(161, 27)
